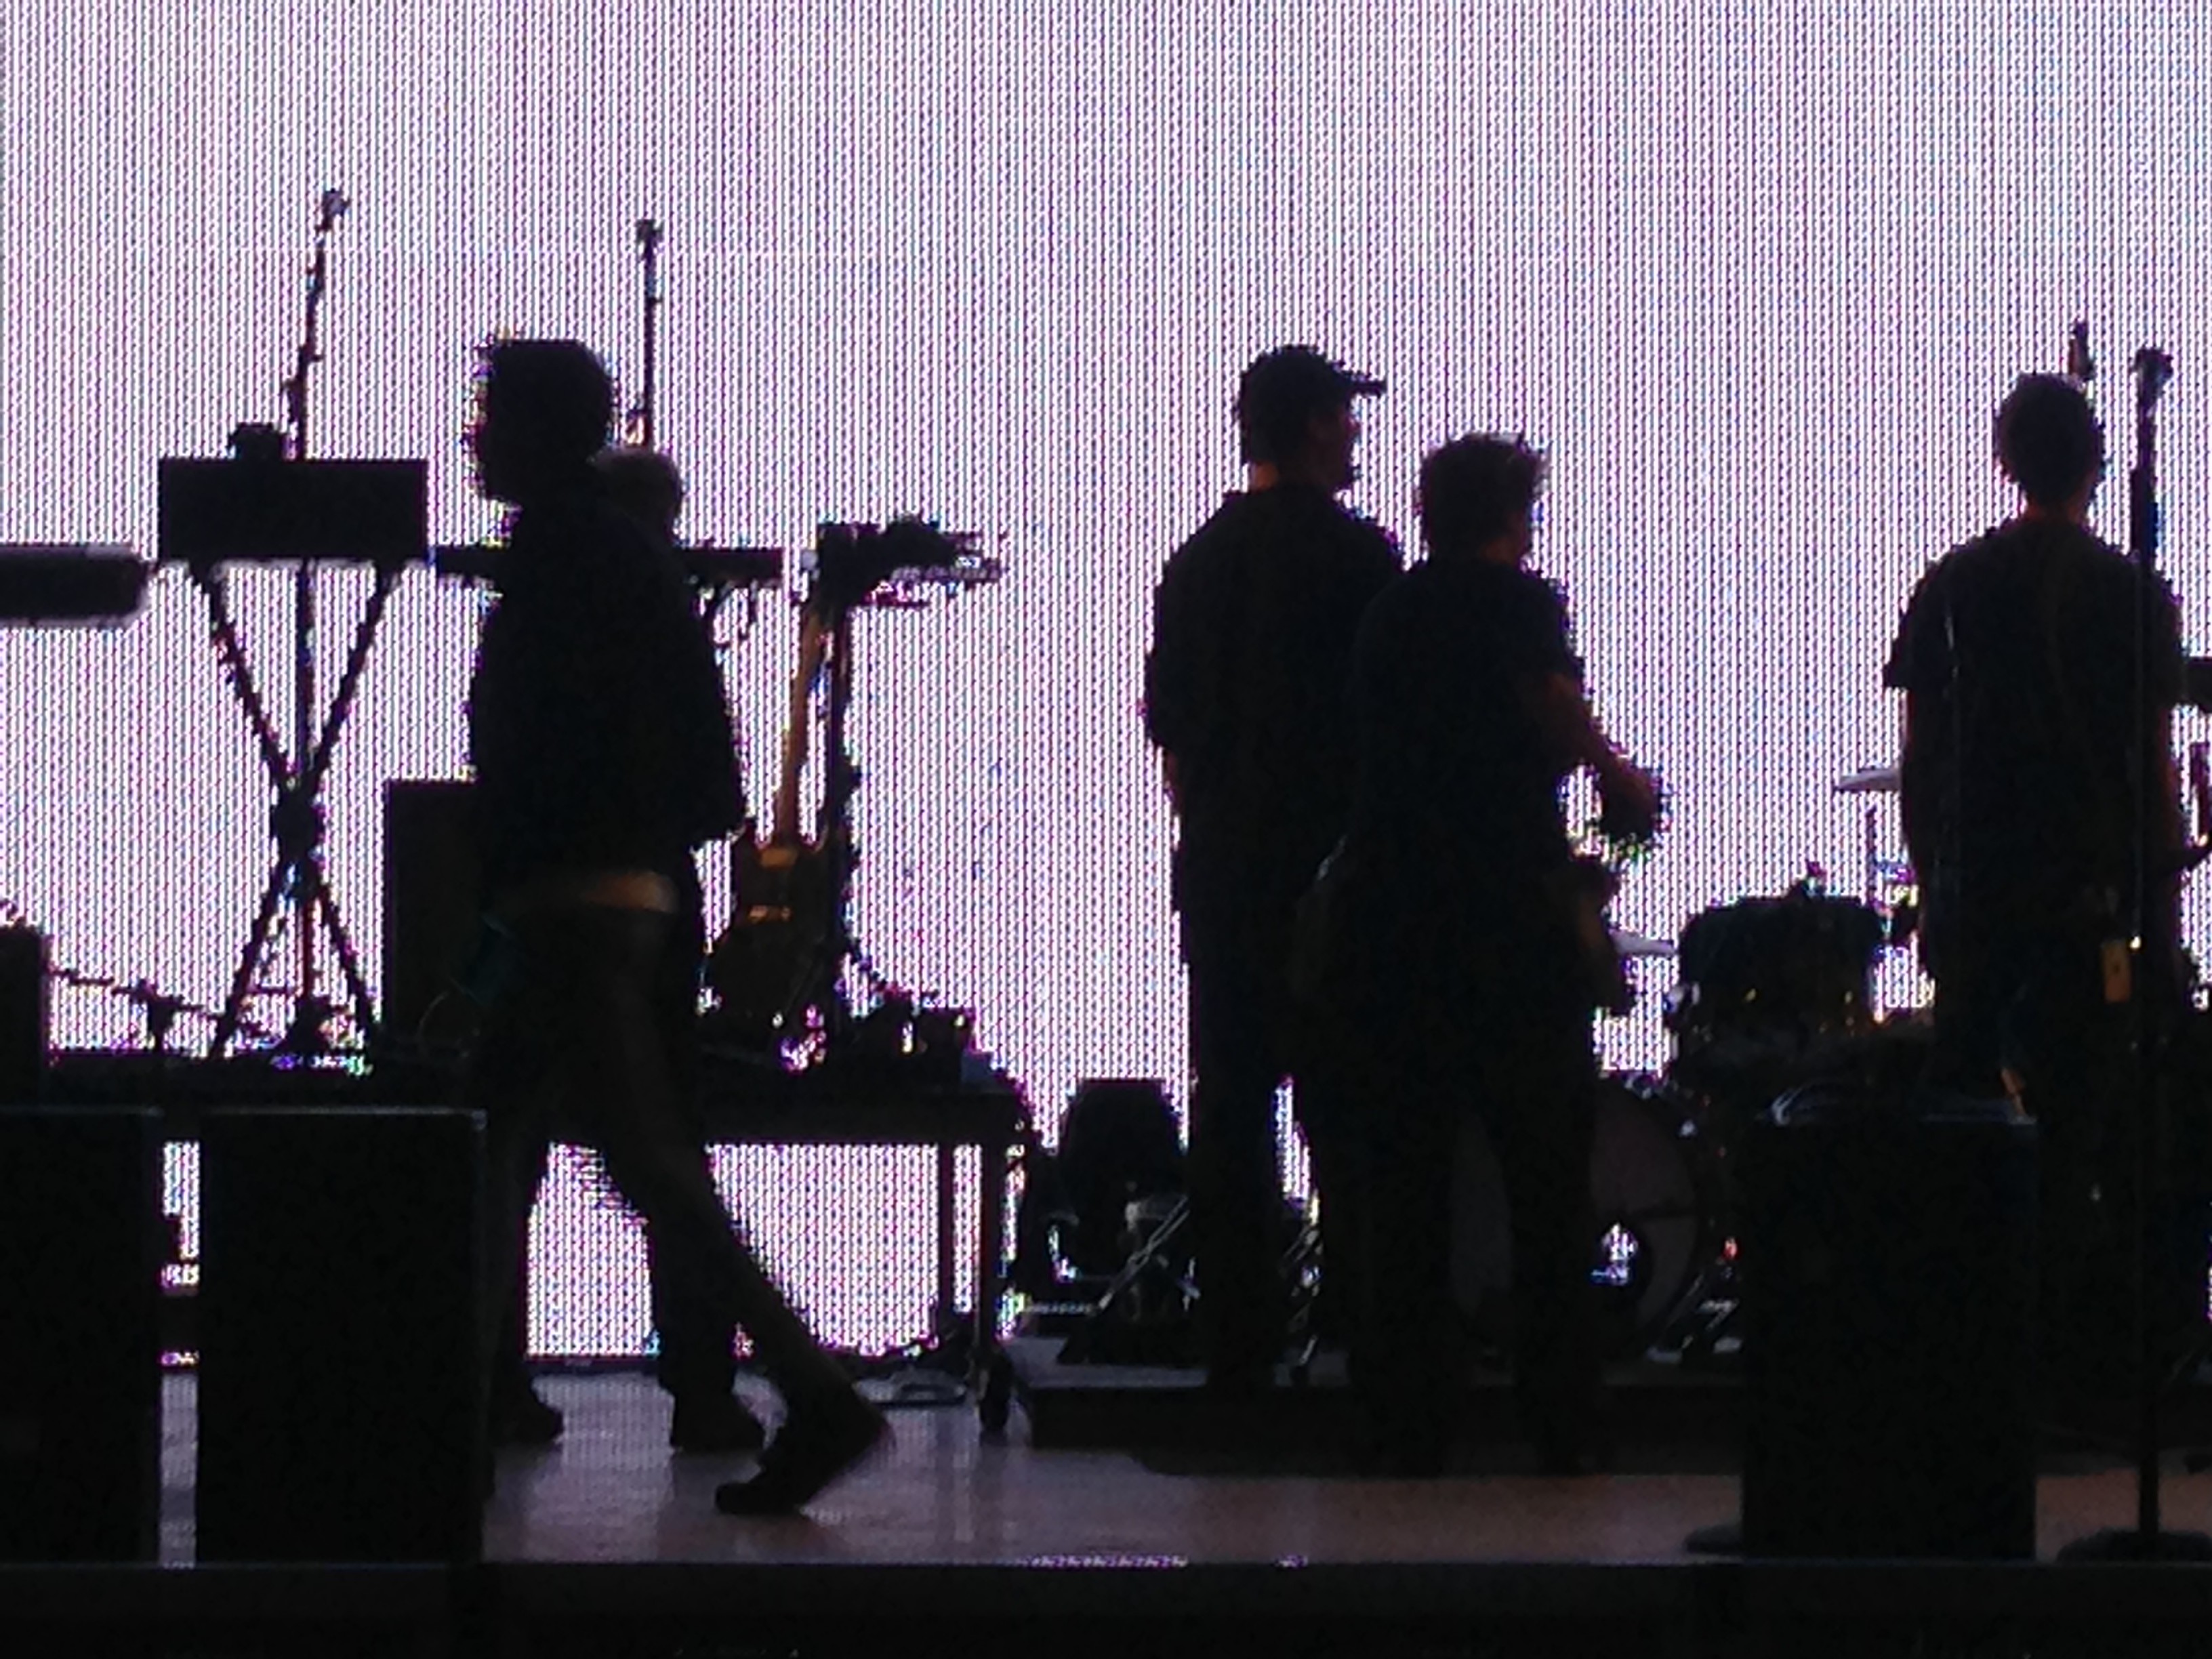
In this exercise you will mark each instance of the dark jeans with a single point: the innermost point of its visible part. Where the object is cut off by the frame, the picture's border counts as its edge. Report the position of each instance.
(1526, 1068)
(1244, 1041)
(583, 1025)
(696, 1342)
(2036, 1008)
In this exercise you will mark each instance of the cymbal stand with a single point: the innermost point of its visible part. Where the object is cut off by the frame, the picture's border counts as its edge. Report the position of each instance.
(298, 879)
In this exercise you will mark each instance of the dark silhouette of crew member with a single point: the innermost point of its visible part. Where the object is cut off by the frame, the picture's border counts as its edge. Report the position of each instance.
(1244, 696)
(2031, 756)
(604, 757)
(695, 1363)
(1465, 957)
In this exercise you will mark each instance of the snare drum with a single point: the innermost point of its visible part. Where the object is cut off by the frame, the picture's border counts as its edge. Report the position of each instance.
(1653, 1197)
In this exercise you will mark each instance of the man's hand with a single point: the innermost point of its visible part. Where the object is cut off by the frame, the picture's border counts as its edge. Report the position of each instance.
(1628, 802)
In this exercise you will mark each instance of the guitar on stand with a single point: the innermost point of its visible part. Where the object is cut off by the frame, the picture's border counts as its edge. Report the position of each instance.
(779, 968)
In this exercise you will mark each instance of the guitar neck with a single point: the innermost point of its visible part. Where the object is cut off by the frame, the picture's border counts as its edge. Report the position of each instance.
(813, 643)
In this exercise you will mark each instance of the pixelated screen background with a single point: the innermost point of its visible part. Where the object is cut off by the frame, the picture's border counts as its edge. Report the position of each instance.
(1754, 272)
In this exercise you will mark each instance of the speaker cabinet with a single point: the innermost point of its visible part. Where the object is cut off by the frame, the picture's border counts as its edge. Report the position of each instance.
(24, 1009)
(79, 1346)
(341, 1406)
(430, 901)
(1889, 1261)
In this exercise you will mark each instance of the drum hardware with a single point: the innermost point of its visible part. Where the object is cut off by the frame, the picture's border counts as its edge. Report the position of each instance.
(1141, 1317)
(1769, 983)
(1655, 1200)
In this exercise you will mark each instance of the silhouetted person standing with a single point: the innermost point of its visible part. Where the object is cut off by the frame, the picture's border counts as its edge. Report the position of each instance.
(604, 756)
(2031, 755)
(1244, 696)
(1466, 957)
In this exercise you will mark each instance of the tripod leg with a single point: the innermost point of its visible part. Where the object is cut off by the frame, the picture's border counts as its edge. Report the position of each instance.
(249, 962)
(319, 898)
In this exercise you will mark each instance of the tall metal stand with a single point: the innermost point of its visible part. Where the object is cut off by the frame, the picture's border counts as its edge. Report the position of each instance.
(298, 881)
(2147, 1540)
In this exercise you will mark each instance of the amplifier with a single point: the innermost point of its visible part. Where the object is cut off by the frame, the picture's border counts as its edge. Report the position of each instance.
(341, 1403)
(1889, 1277)
(431, 901)
(25, 1016)
(81, 1255)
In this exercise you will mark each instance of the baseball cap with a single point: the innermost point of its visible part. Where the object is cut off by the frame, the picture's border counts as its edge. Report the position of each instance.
(1299, 378)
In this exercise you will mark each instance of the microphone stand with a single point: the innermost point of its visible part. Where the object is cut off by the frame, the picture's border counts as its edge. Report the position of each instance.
(2147, 1034)
(298, 880)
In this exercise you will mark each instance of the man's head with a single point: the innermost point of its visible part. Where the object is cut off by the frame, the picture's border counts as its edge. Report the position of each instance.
(644, 483)
(1478, 497)
(1294, 416)
(2048, 441)
(542, 411)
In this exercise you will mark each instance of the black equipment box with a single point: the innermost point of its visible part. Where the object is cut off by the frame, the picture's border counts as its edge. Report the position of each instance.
(81, 1259)
(70, 583)
(257, 511)
(431, 901)
(1889, 1274)
(26, 1007)
(341, 1405)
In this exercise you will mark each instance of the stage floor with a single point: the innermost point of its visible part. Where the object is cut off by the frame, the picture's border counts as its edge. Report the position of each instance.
(943, 1493)
(608, 1545)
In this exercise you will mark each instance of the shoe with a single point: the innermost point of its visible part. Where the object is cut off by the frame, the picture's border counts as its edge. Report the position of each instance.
(520, 1418)
(816, 1444)
(714, 1422)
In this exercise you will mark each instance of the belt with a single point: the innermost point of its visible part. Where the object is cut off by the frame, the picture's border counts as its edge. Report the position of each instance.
(610, 890)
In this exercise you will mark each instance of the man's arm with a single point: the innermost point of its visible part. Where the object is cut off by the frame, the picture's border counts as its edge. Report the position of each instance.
(1573, 734)
(1170, 669)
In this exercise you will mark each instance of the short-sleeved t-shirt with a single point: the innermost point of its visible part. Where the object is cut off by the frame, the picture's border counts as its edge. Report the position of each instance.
(1458, 808)
(2019, 651)
(1246, 685)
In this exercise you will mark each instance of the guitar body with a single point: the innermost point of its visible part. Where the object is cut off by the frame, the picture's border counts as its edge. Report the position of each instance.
(770, 962)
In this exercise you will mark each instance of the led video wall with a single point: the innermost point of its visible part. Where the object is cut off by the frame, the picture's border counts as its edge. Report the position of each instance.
(1753, 273)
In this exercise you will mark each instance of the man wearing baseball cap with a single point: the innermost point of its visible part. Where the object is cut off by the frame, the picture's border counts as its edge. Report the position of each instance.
(1245, 696)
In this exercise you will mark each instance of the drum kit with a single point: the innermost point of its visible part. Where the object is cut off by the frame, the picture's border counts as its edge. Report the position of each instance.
(1771, 993)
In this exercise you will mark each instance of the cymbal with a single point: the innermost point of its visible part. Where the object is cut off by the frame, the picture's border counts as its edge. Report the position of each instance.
(1640, 944)
(1872, 781)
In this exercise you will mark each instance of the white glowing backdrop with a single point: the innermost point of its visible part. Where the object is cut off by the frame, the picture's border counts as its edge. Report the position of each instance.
(1753, 271)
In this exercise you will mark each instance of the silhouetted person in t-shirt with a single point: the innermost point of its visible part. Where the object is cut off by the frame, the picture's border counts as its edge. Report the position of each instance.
(1464, 956)
(2032, 756)
(604, 756)
(1244, 696)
